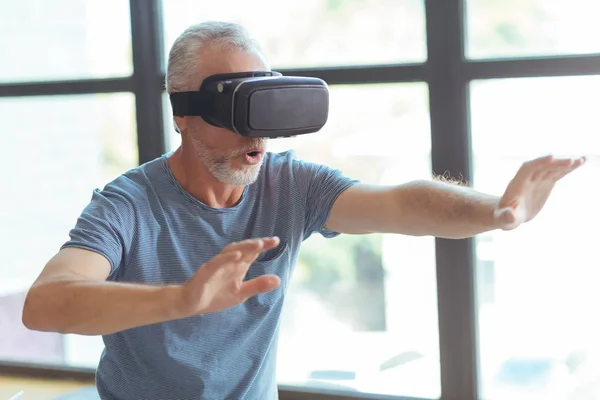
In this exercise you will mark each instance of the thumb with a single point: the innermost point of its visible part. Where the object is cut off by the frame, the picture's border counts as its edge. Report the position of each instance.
(262, 284)
(507, 217)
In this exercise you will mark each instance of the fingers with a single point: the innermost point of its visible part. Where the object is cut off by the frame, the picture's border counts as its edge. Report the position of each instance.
(251, 248)
(262, 284)
(244, 245)
(551, 173)
(566, 168)
(271, 243)
(256, 244)
(244, 253)
(558, 174)
(551, 161)
(551, 168)
(231, 257)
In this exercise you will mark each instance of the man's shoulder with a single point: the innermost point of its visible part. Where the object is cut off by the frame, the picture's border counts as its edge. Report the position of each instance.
(132, 186)
(281, 157)
(289, 161)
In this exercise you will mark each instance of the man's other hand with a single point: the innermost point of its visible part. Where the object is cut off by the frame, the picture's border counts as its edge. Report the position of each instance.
(219, 284)
(529, 190)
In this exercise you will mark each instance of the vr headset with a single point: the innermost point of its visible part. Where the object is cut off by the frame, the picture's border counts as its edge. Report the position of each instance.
(258, 104)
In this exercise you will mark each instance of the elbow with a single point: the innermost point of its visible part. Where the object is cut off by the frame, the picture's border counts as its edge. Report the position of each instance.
(28, 317)
(31, 316)
(35, 315)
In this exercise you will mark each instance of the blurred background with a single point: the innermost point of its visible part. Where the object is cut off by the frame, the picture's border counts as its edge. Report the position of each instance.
(471, 88)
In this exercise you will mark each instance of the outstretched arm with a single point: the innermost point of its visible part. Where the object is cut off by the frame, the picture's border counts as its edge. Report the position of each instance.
(71, 295)
(442, 209)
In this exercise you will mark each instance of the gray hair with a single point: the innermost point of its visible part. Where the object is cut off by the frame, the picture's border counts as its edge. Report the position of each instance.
(183, 61)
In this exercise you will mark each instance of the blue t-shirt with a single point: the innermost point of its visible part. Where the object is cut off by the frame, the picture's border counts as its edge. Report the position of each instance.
(152, 231)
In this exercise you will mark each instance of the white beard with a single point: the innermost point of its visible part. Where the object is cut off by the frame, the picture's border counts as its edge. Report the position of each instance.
(219, 166)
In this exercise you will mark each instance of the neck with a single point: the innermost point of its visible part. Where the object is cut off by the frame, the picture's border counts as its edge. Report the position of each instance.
(191, 173)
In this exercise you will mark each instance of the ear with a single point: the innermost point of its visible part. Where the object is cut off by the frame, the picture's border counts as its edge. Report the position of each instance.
(179, 122)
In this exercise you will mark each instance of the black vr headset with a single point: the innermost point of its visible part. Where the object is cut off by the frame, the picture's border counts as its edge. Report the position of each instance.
(258, 104)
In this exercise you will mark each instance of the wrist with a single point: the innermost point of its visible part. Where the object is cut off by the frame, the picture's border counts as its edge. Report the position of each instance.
(509, 215)
(173, 299)
(492, 220)
(484, 212)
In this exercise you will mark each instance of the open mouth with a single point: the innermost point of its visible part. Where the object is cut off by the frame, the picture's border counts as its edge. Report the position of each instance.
(254, 157)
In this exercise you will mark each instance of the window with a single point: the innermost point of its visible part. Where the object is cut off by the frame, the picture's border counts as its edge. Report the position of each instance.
(361, 313)
(64, 39)
(516, 28)
(372, 300)
(539, 335)
(62, 147)
(315, 33)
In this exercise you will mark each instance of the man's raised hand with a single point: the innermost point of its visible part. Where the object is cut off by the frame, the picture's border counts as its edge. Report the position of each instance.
(531, 187)
(219, 284)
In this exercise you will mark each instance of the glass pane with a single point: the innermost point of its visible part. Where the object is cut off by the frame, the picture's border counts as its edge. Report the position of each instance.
(316, 32)
(361, 313)
(537, 285)
(73, 145)
(513, 28)
(64, 39)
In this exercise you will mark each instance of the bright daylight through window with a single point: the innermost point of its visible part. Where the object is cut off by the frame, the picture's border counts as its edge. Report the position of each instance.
(341, 32)
(70, 37)
(537, 285)
(362, 310)
(526, 28)
(361, 313)
(63, 165)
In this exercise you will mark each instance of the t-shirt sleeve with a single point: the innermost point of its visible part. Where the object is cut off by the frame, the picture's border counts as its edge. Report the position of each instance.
(320, 186)
(105, 226)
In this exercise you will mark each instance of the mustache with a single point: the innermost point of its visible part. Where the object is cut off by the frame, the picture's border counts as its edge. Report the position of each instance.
(253, 144)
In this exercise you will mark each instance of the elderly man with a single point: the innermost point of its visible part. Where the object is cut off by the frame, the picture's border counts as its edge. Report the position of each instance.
(182, 264)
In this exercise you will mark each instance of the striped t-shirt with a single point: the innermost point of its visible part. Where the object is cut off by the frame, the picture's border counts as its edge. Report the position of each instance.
(152, 231)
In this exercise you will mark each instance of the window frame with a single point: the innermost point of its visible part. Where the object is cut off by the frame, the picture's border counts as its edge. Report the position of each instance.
(448, 74)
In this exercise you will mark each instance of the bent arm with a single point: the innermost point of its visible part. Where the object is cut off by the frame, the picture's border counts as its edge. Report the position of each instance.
(417, 208)
(72, 296)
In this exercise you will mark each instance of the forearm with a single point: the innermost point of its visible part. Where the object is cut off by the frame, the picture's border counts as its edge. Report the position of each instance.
(97, 307)
(445, 210)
